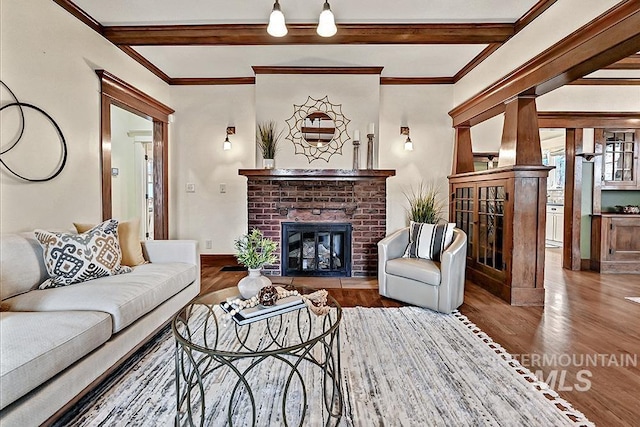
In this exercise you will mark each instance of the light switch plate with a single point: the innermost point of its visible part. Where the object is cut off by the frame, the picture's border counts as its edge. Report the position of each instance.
(191, 187)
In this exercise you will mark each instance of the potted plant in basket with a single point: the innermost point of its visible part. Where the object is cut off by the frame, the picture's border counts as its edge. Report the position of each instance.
(267, 138)
(254, 251)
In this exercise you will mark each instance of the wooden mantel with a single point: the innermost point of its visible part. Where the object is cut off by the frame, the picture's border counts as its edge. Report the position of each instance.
(317, 174)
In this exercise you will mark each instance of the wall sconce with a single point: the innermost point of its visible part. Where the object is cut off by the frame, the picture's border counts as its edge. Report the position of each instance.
(408, 144)
(226, 145)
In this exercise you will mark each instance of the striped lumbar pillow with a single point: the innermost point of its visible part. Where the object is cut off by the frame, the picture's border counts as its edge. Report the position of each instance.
(428, 241)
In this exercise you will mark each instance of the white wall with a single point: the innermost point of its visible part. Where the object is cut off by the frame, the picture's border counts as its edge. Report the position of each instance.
(358, 95)
(202, 116)
(48, 59)
(424, 109)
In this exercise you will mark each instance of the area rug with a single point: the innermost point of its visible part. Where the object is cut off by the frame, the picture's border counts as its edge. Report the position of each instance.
(634, 299)
(400, 367)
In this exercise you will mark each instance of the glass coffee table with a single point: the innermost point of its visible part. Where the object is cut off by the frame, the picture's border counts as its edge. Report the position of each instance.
(283, 370)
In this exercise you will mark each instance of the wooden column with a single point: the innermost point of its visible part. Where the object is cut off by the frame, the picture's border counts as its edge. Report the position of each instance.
(572, 200)
(520, 135)
(462, 151)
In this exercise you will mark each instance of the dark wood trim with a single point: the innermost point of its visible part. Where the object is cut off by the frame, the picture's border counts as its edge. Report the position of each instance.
(212, 81)
(533, 13)
(598, 81)
(145, 63)
(320, 174)
(631, 62)
(462, 152)
(608, 38)
(117, 92)
(598, 147)
(585, 264)
(316, 70)
(524, 20)
(416, 80)
(132, 97)
(580, 119)
(105, 155)
(217, 260)
(571, 257)
(520, 143)
(299, 33)
(484, 54)
(83, 16)
(161, 186)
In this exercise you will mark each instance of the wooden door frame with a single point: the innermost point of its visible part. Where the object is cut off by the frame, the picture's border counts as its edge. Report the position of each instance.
(119, 93)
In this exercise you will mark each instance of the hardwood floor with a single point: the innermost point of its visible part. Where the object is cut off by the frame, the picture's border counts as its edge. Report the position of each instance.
(585, 342)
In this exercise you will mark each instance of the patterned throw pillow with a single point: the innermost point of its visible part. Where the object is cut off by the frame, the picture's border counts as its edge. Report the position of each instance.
(428, 241)
(75, 258)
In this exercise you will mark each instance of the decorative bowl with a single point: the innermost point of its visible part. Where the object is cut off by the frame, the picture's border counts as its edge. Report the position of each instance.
(629, 209)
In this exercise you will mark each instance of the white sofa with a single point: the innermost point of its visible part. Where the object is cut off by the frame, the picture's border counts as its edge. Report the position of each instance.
(56, 344)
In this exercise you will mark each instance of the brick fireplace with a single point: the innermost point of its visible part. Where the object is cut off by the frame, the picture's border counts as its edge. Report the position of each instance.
(356, 197)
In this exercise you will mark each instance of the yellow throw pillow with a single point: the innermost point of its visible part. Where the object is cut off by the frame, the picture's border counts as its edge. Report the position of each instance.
(129, 238)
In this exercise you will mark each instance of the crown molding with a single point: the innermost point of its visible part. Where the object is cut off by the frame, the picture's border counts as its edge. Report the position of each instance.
(593, 81)
(416, 80)
(211, 81)
(83, 16)
(316, 70)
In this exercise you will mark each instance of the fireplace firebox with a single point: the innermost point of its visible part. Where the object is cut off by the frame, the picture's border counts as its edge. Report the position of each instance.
(316, 249)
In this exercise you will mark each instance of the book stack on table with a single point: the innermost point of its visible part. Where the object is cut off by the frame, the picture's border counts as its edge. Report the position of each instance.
(261, 312)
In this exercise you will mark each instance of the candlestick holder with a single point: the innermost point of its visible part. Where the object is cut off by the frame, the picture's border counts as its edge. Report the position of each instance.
(370, 151)
(356, 155)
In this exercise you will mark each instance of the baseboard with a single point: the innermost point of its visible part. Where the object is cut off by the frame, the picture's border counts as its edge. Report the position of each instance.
(585, 264)
(217, 260)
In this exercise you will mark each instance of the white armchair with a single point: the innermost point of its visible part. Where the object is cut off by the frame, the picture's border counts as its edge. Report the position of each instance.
(425, 283)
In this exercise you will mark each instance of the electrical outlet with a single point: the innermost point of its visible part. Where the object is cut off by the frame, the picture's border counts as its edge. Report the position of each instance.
(223, 188)
(208, 244)
(191, 187)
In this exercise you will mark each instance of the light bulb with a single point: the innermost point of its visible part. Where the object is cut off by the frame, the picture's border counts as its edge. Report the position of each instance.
(408, 145)
(226, 145)
(277, 26)
(326, 23)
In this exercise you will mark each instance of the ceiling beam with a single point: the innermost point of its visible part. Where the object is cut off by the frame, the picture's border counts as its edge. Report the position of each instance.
(582, 119)
(256, 34)
(610, 37)
(630, 63)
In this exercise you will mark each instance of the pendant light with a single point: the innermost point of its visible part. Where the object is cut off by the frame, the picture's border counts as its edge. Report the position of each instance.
(277, 26)
(326, 23)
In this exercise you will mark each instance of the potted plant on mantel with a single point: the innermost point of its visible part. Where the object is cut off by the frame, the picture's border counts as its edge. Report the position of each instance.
(267, 137)
(254, 251)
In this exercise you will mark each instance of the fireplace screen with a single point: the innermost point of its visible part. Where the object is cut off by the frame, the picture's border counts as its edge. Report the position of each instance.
(316, 249)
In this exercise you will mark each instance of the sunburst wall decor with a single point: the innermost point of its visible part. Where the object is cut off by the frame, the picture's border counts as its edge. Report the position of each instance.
(320, 148)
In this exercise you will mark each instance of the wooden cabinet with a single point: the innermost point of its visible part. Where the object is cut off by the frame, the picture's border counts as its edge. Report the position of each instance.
(615, 243)
(502, 210)
(619, 165)
(555, 223)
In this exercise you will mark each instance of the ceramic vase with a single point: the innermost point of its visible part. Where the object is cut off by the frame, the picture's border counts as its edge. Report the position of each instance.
(268, 163)
(250, 285)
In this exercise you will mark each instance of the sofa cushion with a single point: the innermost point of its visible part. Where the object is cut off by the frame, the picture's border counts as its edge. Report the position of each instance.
(75, 258)
(21, 264)
(126, 297)
(36, 346)
(129, 239)
(421, 270)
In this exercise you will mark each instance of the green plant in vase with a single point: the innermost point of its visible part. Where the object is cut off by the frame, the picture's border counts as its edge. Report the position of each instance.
(267, 137)
(254, 251)
(424, 204)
